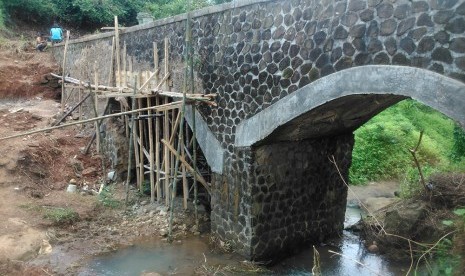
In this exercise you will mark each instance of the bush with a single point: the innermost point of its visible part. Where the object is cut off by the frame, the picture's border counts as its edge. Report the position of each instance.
(381, 150)
(61, 216)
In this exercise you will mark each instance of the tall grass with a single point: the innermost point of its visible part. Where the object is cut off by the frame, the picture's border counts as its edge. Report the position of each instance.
(381, 150)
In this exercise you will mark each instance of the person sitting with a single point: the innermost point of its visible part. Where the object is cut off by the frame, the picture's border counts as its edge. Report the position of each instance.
(41, 42)
(56, 34)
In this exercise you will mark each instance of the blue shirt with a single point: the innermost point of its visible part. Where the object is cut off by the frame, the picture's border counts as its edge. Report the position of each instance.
(56, 33)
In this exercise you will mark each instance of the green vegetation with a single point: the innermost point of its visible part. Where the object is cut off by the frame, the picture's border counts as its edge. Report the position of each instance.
(381, 150)
(61, 216)
(107, 199)
(450, 250)
(90, 14)
(2, 16)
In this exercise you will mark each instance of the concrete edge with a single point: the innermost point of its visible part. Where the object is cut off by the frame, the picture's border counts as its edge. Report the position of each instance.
(210, 146)
(169, 20)
(416, 83)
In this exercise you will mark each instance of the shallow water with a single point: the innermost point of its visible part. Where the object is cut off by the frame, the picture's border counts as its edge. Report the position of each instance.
(184, 257)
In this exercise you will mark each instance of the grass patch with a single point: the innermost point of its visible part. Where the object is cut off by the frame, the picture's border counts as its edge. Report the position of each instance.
(107, 199)
(61, 216)
(381, 150)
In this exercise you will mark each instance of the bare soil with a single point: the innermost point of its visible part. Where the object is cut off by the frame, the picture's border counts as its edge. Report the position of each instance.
(35, 171)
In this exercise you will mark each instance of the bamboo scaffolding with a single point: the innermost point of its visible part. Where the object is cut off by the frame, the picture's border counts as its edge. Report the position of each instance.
(63, 70)
(166, 132)
(118, 69)
(157, 127)
(159, 108)
(141, 142)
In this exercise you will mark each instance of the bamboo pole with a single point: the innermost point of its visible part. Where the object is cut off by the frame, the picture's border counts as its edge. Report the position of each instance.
(64, 69)
(95, 102)
(159, 108)
(110, 74)
(118, 69)
(157, 126)
(141, 143)
(124, 78)
(166, 134)
(152, 176)
(131, 148)
(133, 129)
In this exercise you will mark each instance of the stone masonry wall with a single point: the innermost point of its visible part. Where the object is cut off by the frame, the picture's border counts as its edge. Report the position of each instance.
(277, 198)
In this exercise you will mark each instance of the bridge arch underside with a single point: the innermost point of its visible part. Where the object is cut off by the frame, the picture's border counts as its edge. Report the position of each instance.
(280, 190)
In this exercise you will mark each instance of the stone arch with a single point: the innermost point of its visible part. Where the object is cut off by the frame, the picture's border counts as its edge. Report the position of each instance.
(343, 101)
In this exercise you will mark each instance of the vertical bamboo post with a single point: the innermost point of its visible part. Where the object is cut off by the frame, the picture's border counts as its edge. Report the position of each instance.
(131, 146)
(157, 127)
(123, 75)
(118, 69)
(166, 134)
(80, 99)
(185, 188)
(64, 74)
(110, 74)
(133, 129)
(97, 125)
(141, 140)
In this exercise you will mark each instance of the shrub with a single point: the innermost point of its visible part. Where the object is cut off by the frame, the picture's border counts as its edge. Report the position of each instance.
(61, 216)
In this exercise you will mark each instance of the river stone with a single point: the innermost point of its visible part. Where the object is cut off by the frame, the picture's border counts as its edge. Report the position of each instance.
(456, 26)
(388, 27)
(349, 19)
(426, 44)
(425, 20)
(348, 49)
(403, 223)
(385, 10)
(402, 11)
(373, 30)
(405, 25)
(407, 45)
(457, 45)
(373, 3)
(357, 5)
(400, 59)
(442, 37)
(461, 9)
(367, 15)
(442, 17)
(419, 6)
(460, 62)
(375, 46)
(358, 30)
(417, 33)
(319, 37)
(391, 45)
(381, 58)
(442, 54)
(340, 33)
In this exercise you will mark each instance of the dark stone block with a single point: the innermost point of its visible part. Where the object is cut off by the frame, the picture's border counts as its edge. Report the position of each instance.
(358, 30)
(348, 49)
(400, 59)
(327, 69)
(443, 4)
(362, 59)
(340, 8)
(457, 45)
(367, 15)
(322, 61)
(304, 80)
(349, 19)
(456, 26)
(300, 38)
(359, 44)
(285, 83)
(384, 10)
(425, 20)
(442, 17)
(314, 74)
(402, 11)
(340, 33)
(310, 28)
(417, 33)
(255, 48)
(461, 9)
(375, 46)
(278, 56)
(272, 68)
(290, 34)
(297, 14)
(319, 37)
(405, 25)
(275, 46)
(419, 6)
(304, 69)
(373, 3)
(267, 57)
(279, 33)
(421, 62)
(382, 58)
(407, 44)
(294, 51)
(438, 68)
(296, 62)
(285, 62)
(343, 63)
(315, 53)
(373, 30)
(357, 5)
(266, 35)
(442, 37)
(307, 14)
(457, 76)
(294, 79)
(288, 20)
(388, 27)
(287, 73)
(336, 54)
(442, 54)
(426, 44)
(328, 45)
(278, 20)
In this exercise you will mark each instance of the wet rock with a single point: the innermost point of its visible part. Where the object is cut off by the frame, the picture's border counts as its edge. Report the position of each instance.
(373, 248)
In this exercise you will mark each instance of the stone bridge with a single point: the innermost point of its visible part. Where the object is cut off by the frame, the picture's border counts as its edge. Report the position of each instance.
(294, 79)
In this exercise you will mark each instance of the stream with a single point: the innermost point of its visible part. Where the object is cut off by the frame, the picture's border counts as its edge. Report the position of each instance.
(184, 257)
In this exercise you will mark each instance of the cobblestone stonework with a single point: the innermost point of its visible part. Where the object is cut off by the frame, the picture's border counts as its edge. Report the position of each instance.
(254, 53)
(274, 199)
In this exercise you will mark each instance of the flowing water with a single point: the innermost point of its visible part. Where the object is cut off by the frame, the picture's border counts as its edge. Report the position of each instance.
(184, 257)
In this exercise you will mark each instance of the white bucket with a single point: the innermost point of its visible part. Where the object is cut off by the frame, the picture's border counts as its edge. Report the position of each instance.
(71, 188)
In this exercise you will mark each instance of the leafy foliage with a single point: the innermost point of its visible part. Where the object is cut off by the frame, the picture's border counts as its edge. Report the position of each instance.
(61, 216)
(382, 144)
(458, 150)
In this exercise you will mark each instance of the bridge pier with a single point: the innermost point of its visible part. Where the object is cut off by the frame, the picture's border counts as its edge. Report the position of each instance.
(272, 199)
